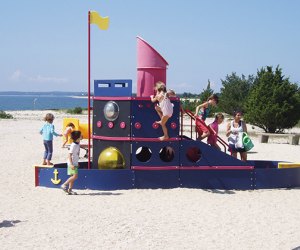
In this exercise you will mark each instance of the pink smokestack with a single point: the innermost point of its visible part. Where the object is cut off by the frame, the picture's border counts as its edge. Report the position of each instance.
(151, 68)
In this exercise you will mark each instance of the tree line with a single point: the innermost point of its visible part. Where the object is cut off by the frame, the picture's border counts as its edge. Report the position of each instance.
(268, 100)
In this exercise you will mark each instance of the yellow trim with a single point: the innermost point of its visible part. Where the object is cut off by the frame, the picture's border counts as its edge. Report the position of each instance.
(43, 166)
(288, 165)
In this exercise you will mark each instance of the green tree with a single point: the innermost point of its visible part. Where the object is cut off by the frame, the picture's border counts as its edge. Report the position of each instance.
(206, 93)
(274, 102)
(234, 92)
(189, 104)
(187, 95)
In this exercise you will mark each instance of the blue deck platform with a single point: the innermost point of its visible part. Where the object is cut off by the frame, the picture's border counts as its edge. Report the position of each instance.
(199, 177)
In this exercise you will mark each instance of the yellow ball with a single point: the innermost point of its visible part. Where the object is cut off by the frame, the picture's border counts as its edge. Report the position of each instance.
(111, 158)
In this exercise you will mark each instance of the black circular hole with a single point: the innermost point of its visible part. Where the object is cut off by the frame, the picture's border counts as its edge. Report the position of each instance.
(166, 154)
(143, 154)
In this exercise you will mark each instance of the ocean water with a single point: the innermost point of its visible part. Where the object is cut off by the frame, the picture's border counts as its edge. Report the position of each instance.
(38, 101)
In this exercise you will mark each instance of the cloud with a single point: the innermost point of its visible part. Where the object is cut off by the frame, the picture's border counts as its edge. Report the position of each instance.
(186, 87)
(183, 85)
(212, 85)
(45, 79)
(18, 75)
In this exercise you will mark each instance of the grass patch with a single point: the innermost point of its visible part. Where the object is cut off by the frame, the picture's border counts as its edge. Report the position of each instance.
(4, 115)
(76, 110)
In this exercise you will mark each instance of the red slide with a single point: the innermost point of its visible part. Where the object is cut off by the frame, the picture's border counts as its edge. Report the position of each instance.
(220, 140)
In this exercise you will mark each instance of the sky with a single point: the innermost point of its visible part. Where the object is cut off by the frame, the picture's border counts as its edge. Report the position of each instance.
(43, 44)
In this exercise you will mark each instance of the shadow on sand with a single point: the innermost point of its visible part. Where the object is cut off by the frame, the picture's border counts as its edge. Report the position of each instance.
(219, 191)
(251, 152)
(100, 193)
(9, 223)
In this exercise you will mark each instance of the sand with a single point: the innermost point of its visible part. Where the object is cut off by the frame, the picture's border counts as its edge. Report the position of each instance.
(43, 218)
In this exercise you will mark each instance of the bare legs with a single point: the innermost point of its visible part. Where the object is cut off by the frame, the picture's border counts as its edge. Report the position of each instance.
(70, 181)
(162, 122)
(159, 112)
(64, 144)
(242, 154)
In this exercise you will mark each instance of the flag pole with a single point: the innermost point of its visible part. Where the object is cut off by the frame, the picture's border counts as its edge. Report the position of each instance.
(89, 90)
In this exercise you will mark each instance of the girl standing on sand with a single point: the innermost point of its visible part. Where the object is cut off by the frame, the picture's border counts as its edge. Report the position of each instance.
(47, 131)
(235, 129)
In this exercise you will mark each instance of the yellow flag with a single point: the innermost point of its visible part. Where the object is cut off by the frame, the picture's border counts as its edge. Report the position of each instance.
(102, 22)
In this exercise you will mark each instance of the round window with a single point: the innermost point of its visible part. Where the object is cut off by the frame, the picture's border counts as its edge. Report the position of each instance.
(111, 158)
(143, 154)
(167, 154)
(111, 111)
(193, 154)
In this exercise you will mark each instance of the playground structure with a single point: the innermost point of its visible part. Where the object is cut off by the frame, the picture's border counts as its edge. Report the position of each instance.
(82, 127)
(128, 154)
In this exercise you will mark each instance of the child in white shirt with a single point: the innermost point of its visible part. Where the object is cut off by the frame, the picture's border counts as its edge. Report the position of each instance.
(73, 165)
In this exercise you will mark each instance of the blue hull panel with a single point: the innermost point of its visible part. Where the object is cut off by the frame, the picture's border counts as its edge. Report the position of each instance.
(156, 179)
(89, 179)
(217, 179)
(277, 178)
(241, 179)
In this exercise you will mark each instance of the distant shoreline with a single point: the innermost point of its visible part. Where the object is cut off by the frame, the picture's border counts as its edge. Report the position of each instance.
(42, 101)
(43, 92)
(79, 97)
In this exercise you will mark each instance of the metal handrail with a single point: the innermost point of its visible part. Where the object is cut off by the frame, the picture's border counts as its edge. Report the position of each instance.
(192, 116)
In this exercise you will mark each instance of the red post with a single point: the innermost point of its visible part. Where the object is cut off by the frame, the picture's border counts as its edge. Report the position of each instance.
(89, 91)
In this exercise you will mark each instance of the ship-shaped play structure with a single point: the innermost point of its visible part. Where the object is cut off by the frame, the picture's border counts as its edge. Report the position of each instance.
(127, 153)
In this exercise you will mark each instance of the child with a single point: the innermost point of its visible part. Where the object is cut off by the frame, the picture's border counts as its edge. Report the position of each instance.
(212, 138)
(202, 112)
(171, 93)
(73, 158)
(235, 129)
(48, 131)
(164, 108)
(69, 128)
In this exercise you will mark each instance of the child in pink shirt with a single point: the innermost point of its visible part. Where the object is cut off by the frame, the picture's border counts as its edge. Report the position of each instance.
(213, 137)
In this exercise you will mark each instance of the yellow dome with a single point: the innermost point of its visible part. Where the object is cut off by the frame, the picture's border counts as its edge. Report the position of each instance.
(111, 158)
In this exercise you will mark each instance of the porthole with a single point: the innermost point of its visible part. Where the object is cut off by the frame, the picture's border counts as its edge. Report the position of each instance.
(193, 154)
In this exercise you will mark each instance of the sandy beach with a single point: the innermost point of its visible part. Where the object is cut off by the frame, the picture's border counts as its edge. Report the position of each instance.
(43, 218)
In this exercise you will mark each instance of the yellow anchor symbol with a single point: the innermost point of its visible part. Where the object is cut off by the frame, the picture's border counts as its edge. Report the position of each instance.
(55, 180)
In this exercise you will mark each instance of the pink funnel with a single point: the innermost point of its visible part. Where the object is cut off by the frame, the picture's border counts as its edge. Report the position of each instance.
(151, 68)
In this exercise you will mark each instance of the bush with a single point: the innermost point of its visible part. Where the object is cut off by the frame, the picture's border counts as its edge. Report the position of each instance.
(234, 92)
(4, 115)
(274, 102)
(76, 110)
(190, 105)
